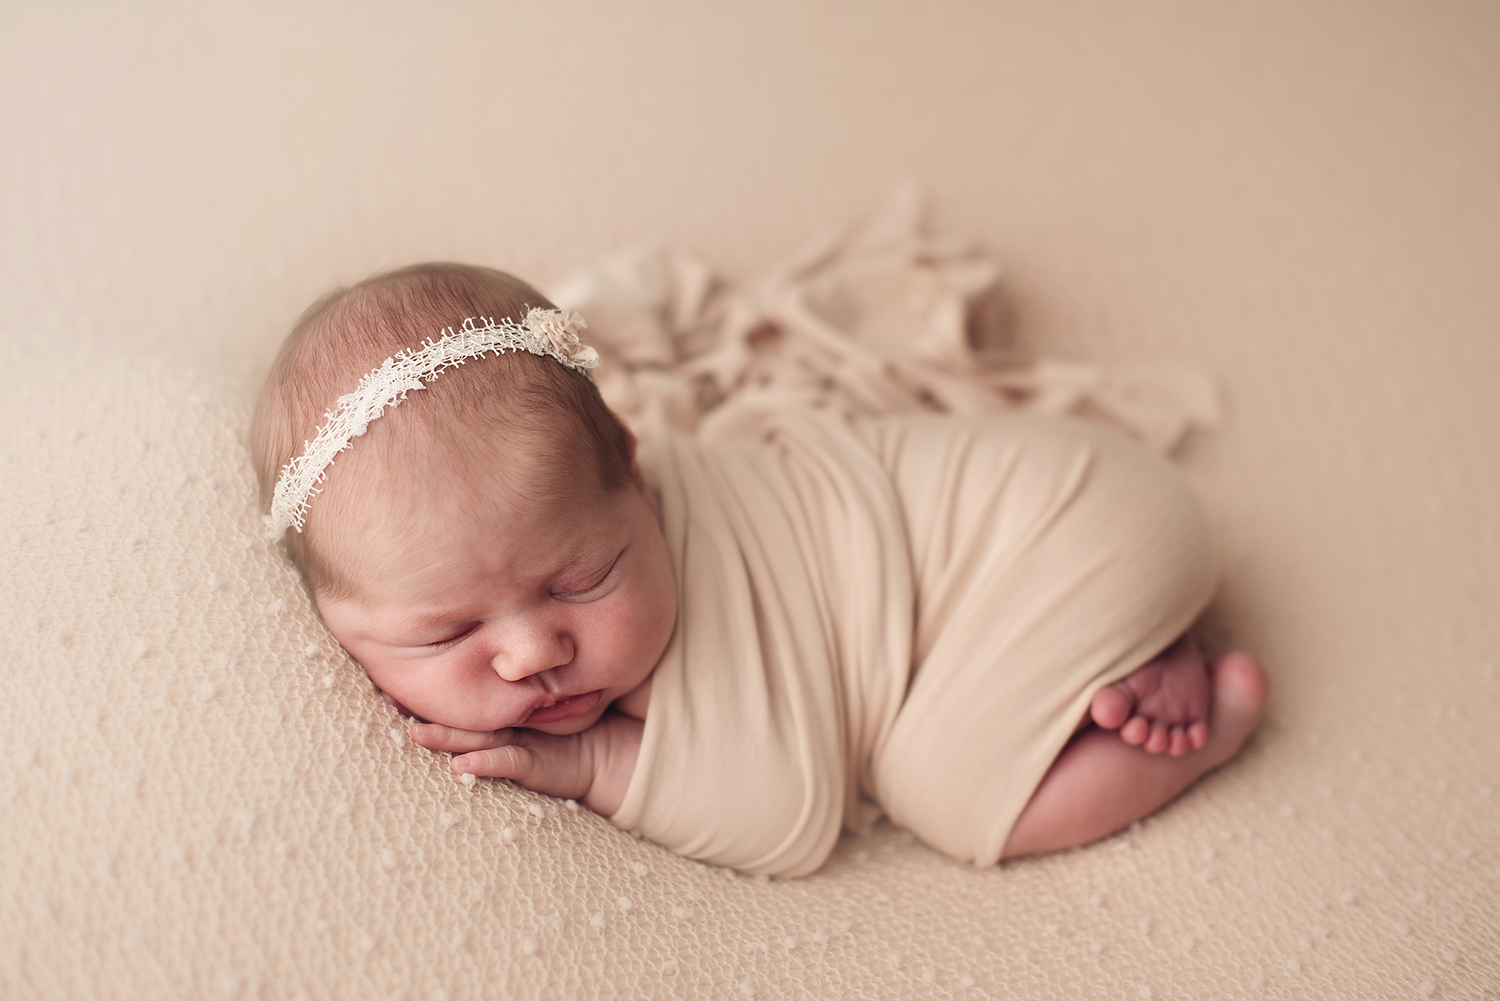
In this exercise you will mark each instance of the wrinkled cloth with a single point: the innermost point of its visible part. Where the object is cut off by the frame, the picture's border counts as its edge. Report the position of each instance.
(910, 611)
(884, 317)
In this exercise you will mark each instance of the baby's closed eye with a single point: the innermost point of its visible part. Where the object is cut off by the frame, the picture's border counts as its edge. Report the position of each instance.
(452, 637)
(589, 584)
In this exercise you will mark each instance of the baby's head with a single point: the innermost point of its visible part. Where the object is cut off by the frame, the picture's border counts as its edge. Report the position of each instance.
(555, 431)
(485, 549)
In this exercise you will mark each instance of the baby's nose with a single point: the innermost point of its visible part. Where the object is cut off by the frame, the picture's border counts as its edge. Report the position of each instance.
(531, 652)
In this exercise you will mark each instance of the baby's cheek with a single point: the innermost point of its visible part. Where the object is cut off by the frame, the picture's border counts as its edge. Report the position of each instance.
(664, 611)
(634, 638)
(396, 703)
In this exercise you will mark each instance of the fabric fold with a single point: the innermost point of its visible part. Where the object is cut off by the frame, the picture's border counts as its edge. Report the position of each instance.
(795, 607)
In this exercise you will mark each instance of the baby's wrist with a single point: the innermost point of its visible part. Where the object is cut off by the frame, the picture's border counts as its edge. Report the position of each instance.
(614, 744)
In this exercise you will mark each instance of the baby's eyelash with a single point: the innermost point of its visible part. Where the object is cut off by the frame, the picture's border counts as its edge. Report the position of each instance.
(466, 630)
(603, 579)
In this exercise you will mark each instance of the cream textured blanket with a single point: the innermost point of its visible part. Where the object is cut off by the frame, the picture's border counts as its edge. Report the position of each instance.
(914, 611)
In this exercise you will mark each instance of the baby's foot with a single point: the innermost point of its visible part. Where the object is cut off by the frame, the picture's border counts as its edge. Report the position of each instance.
(1162, 706)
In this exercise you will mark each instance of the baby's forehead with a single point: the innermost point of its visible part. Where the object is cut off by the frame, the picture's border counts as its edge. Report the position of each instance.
(404, 487)
(398, 555)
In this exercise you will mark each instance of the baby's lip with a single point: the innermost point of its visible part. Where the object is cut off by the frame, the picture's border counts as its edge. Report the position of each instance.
(566, 707)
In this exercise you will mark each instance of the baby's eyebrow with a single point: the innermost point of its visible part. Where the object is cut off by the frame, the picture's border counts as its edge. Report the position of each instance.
(399, 628)
(592, 553)
(429, 620)
(595, 559)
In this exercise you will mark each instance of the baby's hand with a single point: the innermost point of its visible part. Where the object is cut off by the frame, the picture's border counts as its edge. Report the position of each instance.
(593, 766)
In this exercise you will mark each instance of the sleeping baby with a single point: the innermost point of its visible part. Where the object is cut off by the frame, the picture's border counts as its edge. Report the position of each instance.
(741, 641)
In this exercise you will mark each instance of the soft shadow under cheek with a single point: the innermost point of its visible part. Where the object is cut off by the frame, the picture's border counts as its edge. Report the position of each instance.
(392, 701)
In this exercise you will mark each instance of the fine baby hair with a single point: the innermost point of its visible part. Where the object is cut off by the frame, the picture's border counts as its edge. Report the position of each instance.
(344, 359)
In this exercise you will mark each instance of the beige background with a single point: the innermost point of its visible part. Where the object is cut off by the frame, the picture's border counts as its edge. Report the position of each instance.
(1298, 197)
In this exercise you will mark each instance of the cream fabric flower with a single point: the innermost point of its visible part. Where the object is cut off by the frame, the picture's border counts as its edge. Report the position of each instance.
(559, 333)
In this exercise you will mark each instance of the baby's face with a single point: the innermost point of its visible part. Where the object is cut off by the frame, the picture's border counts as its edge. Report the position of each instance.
(512, 616)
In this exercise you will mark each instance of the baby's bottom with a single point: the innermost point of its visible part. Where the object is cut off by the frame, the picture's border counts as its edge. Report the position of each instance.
(1053, 560)
(1100, 784)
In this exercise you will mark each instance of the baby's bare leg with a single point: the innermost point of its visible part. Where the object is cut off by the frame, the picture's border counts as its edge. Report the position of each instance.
(1099, 784)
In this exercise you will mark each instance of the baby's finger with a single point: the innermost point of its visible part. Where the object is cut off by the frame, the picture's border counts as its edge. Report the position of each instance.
(545, 764)
(437, 737)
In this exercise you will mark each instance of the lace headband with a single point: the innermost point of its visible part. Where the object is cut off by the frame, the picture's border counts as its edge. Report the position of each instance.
(551, 333)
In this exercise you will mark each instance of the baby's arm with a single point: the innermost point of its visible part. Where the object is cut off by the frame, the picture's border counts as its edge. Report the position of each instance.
(593, 766)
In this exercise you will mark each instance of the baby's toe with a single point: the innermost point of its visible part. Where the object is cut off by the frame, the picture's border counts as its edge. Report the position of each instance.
(1159, 740)
(1198, 735)
(1179, 742)
(1135, 731)
(1111, 707)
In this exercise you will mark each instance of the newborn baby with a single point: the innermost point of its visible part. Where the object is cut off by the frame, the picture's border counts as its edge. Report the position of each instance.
(740, 641)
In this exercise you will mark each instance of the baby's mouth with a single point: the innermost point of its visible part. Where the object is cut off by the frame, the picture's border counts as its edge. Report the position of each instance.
(568, 708)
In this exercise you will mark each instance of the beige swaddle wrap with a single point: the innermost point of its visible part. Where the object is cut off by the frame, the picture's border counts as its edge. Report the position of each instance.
(910, 610)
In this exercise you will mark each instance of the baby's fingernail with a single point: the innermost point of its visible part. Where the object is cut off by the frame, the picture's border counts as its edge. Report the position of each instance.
(459, 765)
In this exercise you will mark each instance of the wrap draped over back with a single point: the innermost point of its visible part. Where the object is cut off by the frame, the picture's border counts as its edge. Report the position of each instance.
(903, 614)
